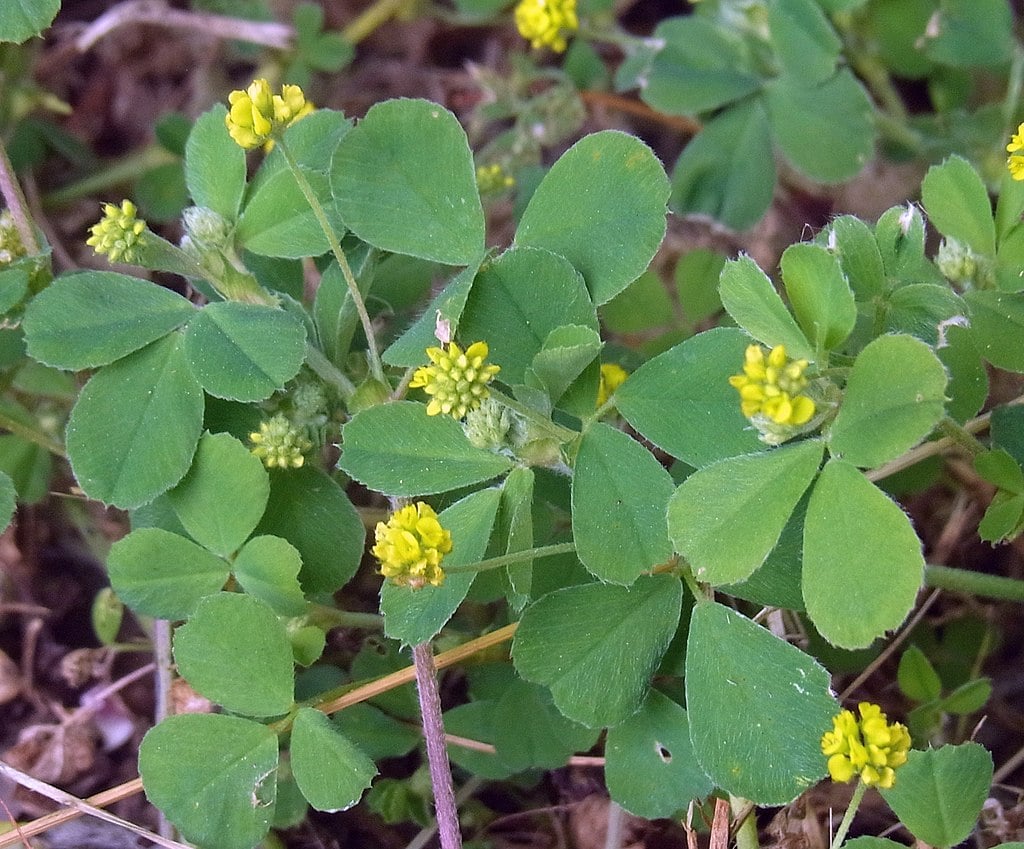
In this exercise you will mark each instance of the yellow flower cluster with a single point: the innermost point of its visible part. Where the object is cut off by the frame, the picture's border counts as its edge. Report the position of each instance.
(1015, 161)
(870, 747)
(545, 23)
(491, 179)
(457, 381)
(770, 386)
(256, 114)
(118, 234)
(411, 545)
(612, 377)
(279, 444)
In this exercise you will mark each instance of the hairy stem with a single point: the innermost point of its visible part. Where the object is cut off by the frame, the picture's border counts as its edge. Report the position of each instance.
(512, 557)
(376, 366)
(328, 372)
(437, 755)
(16, 203)
(851, 812)
(974, 583)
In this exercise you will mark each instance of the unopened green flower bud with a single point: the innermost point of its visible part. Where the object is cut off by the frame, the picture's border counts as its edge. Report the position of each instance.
(545, 451)
(309, 402)
(11, 246)
(488, 426)
(957, 262)
(206, 228)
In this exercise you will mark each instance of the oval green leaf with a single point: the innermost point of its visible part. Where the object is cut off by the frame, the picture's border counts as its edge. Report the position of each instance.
(309, 510)
(825, 130)
(939, 793)
(517, 301)
(21, 20)
(727, 517)
(92, 318)
(894, 397)
(821, 297)
(163, 575)
(698, 68)
(766, 697)
(683, 403)
(398, 449)
(223, 473)
(804, 40)
(214, 165)
(529, 732)
(134, 429)
(862, 564)
(244, 352)
(750, 298)
(723, 171)
(619, 493)
(404, 181)
(268, 567)
(214, 776)
(235, 651)
(8, 500)
(602, 206)
(278, 221)
(609, 641)
(958, 205)
(331, 772)
(997, 322)
(649, 766)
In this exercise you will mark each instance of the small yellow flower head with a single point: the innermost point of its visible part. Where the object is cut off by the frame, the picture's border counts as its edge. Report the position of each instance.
(118, 234)
(457, 381)
(770, 387)
(411, 545)
(491, 179)
(870, 747)
(280, 444)
(612, 377)
(256, 114)
(545, 23)
(1015, 161)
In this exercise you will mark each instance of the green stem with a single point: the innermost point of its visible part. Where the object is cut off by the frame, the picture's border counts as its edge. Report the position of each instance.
(961, 436)
(16, 203)
(974, 583)
(851, 812)
(1013, 90)
(936, 446)
(562, 434)
(25, 432)
(698, 592)
(376, 366)
(373, 17)
(328, 372)
(512, 557)
(127, 169)
(330, 617)
(892, 117)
